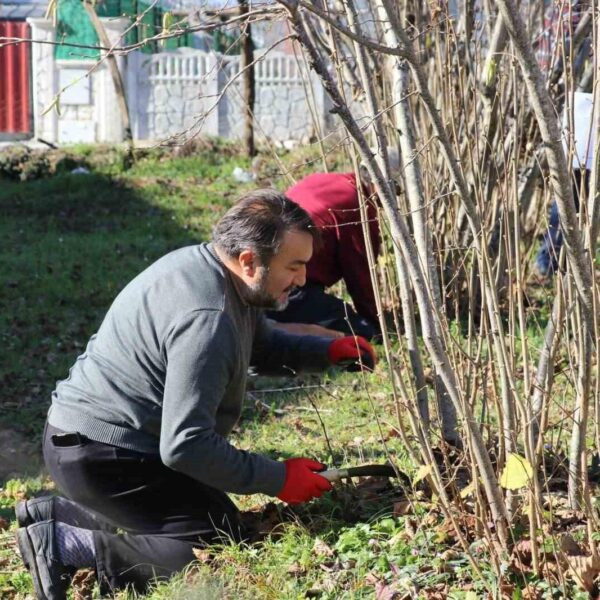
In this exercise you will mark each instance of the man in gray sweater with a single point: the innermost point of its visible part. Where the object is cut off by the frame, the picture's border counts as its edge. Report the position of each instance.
(136, 436)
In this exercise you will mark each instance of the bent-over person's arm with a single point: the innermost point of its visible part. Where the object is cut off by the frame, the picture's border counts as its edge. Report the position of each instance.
(278, 352)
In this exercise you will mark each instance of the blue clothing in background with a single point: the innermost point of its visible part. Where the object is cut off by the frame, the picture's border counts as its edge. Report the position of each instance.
(546, 261)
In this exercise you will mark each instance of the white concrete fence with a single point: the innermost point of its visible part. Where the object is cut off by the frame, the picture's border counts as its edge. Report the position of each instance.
(174, 94)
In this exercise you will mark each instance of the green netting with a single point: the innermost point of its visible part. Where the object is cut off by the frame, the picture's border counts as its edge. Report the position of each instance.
(110, 8)
(74, 26)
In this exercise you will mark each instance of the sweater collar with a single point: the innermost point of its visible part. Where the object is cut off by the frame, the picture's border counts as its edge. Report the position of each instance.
(233, 280)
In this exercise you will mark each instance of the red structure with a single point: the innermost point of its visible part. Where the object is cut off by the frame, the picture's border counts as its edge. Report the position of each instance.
(15, 109)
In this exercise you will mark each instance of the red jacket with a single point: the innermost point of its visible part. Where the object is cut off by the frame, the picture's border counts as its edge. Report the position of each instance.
(331, 199)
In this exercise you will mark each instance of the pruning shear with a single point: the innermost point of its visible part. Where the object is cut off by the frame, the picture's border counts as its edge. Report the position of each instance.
(335, 475)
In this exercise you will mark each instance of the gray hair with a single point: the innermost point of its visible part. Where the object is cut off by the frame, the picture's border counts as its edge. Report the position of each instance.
(258, 221)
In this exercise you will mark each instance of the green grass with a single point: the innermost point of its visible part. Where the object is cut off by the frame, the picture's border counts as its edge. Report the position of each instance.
(71, 243)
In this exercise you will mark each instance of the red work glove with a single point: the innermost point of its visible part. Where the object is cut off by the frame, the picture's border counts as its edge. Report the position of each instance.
(301, 481)
(352, 352)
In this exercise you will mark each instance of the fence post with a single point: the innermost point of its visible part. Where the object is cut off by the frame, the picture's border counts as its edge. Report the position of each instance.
(110, 125)
(136, 87)
(43, 79)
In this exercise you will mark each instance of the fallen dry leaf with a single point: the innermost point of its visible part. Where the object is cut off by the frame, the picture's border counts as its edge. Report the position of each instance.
(506, 591)
(410, 528)
(202, 555)
(439, 592)
(392, 433)
(551, 570)
(383, 591)
(296, 569)
(402, 508)
(430, 519)
(569, 546)
(467, 524)
(83, 584)
(261, 521)
(449, 554)
(584, 570)
(372, 488)
(4, 524)
(531, 593)
(522, 549)
(321, 548)
(521, 557)
(567, 517)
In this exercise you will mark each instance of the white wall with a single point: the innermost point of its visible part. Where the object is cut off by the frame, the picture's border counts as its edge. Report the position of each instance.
(175, 94)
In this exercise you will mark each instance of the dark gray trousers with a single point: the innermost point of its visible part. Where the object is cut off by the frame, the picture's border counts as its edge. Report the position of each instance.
(146, 517)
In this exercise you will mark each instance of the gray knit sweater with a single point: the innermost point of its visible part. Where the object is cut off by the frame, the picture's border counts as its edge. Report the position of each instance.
(166, 372)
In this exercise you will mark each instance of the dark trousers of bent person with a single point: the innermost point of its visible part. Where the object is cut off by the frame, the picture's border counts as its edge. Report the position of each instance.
(145, 517)
(312, 304)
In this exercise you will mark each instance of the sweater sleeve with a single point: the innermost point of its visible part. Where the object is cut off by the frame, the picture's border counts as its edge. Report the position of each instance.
(202, 354)
(276, 352)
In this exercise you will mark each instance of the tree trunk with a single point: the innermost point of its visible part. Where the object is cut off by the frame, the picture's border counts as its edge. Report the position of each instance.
(579, 259)
(428, 311)
(413, 179)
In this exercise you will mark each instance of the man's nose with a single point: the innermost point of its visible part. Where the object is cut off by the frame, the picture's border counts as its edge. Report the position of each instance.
(300, 278)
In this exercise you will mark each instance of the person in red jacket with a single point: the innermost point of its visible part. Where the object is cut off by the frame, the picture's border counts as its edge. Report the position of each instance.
(332, 201)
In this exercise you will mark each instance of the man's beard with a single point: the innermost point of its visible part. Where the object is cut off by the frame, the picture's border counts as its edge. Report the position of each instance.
(258, 296)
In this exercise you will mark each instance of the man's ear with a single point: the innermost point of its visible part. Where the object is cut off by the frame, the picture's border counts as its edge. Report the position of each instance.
(248, 262)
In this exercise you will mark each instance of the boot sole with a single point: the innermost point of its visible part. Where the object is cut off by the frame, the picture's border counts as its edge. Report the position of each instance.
(28, 555)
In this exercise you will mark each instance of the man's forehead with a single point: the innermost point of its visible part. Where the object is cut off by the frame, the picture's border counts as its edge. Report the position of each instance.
(296, 247)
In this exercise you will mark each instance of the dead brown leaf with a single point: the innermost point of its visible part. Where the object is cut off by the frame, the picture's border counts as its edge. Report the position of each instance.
(372, 488)
(439, 592)
(296, 569)
(410, 528)
(83, 584)
(584, 570)
(4, 524)
(321, 548)
(467, 524)
(506, 591)
(531, 593)
(569, 546)
(402, 508)
(202, 555)
(428, 374)
(449, 554)
(430, 520)
(261, 521)
(392, 433)
(521, 557)
(568, 517)
(522, 550)
(551, 570)
(383, 591)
